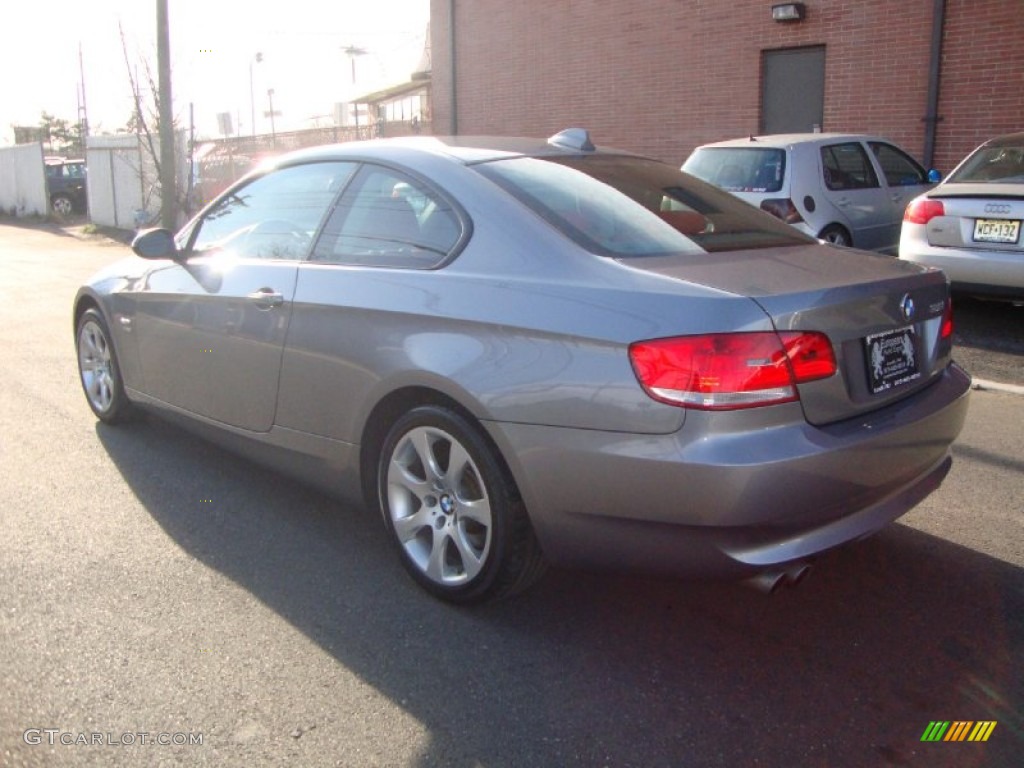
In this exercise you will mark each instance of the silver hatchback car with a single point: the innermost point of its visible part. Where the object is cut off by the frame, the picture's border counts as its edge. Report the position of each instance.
(846, 189)
(521, 352)
(970, 225)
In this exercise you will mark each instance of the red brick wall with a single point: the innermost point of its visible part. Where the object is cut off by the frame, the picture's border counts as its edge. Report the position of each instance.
(982, 93)
(661, 76)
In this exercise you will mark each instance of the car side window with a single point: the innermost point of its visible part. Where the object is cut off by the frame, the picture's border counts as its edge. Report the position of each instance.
(275, 216)
(388, 219)
(899, 169)
(847, 166)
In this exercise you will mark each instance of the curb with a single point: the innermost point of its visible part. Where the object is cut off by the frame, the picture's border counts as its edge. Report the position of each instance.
(995, 386)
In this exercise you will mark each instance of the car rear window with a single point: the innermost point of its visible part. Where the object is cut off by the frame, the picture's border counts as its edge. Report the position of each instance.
(995, 165)
(739, 169)
(624, 206)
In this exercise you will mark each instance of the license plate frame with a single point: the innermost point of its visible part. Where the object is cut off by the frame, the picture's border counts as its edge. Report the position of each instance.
(1005, 231)
(891, 359)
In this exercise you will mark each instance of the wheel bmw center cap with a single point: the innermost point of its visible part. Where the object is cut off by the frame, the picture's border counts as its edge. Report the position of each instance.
(447, 504)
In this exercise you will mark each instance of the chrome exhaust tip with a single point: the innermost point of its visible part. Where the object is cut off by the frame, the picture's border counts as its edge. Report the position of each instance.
(768, 582)
(797, 573)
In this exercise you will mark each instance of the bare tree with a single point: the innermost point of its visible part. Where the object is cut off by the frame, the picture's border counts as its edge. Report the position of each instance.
(145, 119)
(142, 119)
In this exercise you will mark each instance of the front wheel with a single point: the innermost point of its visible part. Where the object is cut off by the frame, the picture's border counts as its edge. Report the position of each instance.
(99, 371)
(454, 514)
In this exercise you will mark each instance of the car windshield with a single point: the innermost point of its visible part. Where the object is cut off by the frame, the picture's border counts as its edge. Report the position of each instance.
(992, 165)
(739, 169)
(627, 206)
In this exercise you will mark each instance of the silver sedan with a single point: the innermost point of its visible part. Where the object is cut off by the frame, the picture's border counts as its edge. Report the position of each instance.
(523, 352)
(970, 225)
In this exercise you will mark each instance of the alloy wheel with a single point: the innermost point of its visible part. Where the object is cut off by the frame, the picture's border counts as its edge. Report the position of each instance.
(438, 506)
(96, 366)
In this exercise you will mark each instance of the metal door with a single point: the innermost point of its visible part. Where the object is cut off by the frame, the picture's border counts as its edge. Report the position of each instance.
(215, 324)
(793, 90)
(214, 332)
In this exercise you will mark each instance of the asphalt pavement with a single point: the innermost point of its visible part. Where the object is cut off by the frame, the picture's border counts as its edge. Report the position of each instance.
(156, 588)
(989, 339)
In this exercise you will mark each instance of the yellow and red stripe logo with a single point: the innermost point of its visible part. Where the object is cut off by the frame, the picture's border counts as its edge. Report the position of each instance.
(958, 730)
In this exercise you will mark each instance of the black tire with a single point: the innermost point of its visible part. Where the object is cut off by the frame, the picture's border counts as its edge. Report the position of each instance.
(836, 234)
(452, 510)
(99, 371)
(62, 205)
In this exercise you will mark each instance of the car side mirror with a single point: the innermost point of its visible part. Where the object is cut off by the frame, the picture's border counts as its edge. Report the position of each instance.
(934, 177)
(155, 244)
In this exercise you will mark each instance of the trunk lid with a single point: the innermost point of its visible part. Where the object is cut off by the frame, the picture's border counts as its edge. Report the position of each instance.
(884, 317)
(979, 190)
(997, 205)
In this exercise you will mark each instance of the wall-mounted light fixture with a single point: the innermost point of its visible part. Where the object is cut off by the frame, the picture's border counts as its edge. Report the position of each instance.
(789, 12)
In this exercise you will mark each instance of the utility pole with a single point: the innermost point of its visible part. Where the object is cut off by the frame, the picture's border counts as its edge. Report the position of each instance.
(190, 187)
(168, 187)
(271, 114)
(252, 94)
(352, 51)
(83, 111)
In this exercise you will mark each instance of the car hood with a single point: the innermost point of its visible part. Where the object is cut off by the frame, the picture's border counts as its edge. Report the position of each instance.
(127, 268)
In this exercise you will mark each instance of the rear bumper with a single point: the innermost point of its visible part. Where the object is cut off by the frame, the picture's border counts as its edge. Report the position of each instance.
(732, 501)
(1000, 271)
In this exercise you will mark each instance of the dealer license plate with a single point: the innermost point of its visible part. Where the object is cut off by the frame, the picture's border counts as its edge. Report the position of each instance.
(996, 231)
(891, 359)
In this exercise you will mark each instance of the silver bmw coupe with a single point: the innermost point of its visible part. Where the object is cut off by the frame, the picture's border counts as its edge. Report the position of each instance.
(525, 352)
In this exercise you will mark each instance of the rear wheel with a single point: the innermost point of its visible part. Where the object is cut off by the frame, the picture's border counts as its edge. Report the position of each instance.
(62, 205)
(837, 235)
(454, 514)
(99, 371)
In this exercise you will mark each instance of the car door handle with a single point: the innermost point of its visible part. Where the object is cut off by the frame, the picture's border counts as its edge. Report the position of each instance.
(266, 298)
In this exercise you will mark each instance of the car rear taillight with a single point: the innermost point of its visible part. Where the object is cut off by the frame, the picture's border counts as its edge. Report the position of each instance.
(726, 371)
(782, 208)
(947, 321)
(923, 210)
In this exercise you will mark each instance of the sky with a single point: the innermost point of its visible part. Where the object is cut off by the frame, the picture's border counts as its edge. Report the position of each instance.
(213, 46)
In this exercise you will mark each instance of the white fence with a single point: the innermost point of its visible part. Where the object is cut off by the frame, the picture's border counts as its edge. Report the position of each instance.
(122, 181)
(124, 187)
(23, 180)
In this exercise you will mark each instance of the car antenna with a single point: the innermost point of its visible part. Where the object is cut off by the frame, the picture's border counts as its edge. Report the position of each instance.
(573, 138)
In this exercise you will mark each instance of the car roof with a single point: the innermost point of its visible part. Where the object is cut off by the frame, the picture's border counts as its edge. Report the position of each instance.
(466, 150)
(1009, 140)
(782, 140)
